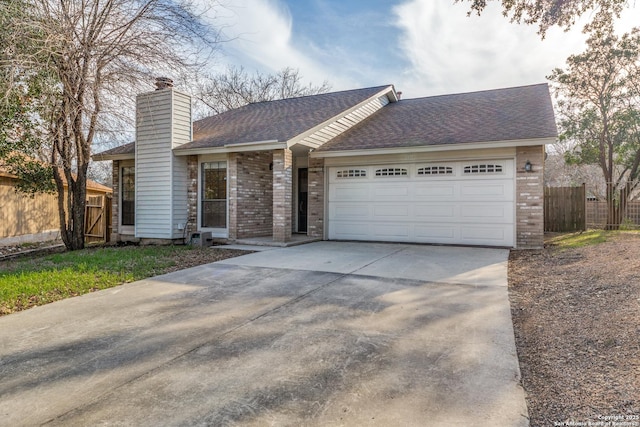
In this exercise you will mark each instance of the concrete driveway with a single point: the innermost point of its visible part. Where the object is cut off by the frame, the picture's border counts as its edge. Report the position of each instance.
(328, 333)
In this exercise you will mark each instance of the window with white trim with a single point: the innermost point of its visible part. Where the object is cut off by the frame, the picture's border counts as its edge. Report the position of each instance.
(391, 172)
(435, 170)
(351, 173)
(213, 193)
(128, 195)
(483, 168)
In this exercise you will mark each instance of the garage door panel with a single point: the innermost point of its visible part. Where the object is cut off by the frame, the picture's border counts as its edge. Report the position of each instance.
(492, 190)
(487, 211)
(391, 232)
(437, 190)
(435, 234)
(350, 212)
(350, 192)
(438, 212)
(391, 192)
(472, 209)
(352, 230)
(396, 212)
(474, 234)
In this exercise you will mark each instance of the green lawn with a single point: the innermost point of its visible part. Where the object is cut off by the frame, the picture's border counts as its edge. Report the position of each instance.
(37, 280)
(585, 238)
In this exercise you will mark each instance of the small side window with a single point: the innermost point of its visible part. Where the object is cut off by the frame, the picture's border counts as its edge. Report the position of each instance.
(435, 170)
(483, 168)
(351, 173)
(391, 172)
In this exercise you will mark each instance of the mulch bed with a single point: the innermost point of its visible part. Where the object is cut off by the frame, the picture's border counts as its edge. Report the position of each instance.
(576, 315)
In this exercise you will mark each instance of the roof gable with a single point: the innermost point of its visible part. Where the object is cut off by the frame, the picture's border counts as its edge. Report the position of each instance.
(509, 114)
(280, 120)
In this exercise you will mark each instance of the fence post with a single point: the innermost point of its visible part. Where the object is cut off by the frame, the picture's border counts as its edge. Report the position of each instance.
(584, 207)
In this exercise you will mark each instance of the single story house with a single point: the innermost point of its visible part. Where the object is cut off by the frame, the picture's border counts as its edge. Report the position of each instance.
(463, 169)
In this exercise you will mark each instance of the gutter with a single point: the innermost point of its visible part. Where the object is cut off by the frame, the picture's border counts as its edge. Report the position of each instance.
(433, 148)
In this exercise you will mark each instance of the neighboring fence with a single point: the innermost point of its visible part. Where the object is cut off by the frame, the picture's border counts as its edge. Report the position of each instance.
(31, 219)
(598, 215)
(24, 218)
(569, 209)
(97, 219)
(621, 212)
(564, 208)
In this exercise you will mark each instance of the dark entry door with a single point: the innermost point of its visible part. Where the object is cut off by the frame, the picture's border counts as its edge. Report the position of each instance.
(303, 175)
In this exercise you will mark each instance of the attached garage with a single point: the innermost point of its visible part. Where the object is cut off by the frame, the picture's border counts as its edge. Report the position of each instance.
(461, 169)
(462, 202)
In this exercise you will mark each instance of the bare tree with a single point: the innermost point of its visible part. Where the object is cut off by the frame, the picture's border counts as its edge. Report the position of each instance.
(236, 88)
(548, 13)
(82, 55)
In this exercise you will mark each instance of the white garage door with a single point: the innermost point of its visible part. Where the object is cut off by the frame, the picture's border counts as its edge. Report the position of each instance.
(469, 203)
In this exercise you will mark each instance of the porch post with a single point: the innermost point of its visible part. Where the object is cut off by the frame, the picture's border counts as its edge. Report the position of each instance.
(316, 198)
(282, 192)
(232, 198)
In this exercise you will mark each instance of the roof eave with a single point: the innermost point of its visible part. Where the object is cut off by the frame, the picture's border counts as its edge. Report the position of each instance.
(232, 148)
(435, 148)
(100, 157)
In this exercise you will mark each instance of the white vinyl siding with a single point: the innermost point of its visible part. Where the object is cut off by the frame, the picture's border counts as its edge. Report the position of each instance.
(179, 197)
(163, 122)
(326, 133)
(443, 207)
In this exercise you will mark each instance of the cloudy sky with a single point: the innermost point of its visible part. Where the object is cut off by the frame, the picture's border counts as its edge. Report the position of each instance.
(423, 47)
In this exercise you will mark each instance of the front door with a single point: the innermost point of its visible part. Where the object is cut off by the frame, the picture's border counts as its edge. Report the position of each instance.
(303, 175)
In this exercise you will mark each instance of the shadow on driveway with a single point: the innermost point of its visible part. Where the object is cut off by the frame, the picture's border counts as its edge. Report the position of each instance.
(228, 344)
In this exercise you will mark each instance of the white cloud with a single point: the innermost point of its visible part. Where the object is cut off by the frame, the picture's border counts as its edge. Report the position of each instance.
(260, 33)
(441, 49)
(450, 52)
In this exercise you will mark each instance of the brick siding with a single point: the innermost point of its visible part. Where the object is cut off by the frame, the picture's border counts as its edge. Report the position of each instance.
(192, 195)
(530, 198)
(282, 192)
(251, 195)
(315, 214)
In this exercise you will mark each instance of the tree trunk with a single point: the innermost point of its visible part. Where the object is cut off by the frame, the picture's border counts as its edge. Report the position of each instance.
(71, 206)
(617, 202)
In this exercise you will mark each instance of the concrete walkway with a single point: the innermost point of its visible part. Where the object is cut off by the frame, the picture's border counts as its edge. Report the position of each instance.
(327, 333)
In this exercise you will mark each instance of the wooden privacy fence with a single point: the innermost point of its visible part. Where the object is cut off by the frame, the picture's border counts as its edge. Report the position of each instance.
(97, 219)
(599, 215)
(618, 208)
(565, 208)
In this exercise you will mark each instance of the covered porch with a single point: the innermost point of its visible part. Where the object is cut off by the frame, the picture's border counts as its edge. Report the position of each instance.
(273, 197)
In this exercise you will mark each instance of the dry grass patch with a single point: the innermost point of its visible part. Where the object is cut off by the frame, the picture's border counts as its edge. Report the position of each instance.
(576, 313)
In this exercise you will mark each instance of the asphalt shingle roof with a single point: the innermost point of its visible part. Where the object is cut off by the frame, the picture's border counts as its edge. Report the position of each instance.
(278, 120)
(129, 148)
(274, 120)
(517, 113)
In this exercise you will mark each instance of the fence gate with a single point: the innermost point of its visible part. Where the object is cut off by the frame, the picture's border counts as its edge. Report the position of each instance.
(97, 219)
(565, 208)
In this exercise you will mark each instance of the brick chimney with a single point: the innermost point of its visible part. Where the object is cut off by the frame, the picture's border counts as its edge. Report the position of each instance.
(163, 83)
